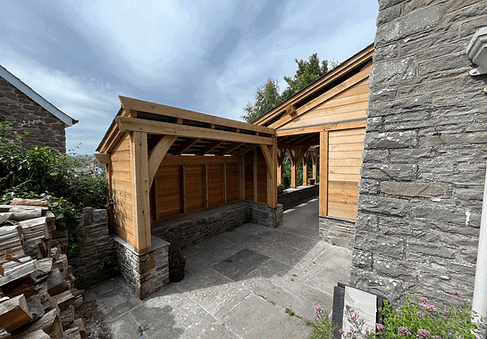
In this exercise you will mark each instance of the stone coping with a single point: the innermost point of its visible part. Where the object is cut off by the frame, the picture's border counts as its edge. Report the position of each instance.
(156, 243)
(299, 188)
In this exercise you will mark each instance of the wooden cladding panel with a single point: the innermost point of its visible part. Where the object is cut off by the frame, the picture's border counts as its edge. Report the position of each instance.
(194, 183)
(345, 159)
(215, 187)
(121, 188)
(232, 182)
(168, 195)
(249, 176)
(261, 178)
(348, 105)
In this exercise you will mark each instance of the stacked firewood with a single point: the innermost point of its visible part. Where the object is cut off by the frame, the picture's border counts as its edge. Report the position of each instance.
(37, 297)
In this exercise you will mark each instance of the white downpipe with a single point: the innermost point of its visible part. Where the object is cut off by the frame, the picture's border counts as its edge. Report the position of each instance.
(479, 302)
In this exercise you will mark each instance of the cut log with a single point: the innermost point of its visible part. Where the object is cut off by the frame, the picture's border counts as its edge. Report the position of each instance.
(55, 253)
(44, 266)
(4, 216)
(51, 222)
(80, 325)
(35, 307)
(25, 214)
(64, 299)
(14, 313)
(35, 229)
(14, 271)
(4, 334)
(12, 239)
(39, 334)
(67, 317)
(45, 323)
(72, 333)
(61, 264)
(31, 202)
(56, 283)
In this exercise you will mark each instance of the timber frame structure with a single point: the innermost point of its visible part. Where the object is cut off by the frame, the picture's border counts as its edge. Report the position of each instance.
(329, 117)
(164, 162)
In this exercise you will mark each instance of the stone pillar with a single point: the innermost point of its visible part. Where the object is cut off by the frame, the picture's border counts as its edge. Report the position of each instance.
(144, 273)
(267, 216)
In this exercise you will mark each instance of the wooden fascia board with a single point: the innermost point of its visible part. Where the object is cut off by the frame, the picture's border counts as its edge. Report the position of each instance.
(158, 128)
(103, 158)
(322, 128)
(364, 74)
(327, 79)
(150, 107)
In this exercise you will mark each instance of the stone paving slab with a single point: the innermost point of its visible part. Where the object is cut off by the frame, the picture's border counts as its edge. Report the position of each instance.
(266, 270)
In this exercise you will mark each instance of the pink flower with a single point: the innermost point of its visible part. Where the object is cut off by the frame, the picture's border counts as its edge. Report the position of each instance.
(341, 331)
(354, 317)
(422, 334)
(380, 327)
(436, 336)
(457, 293)
(431, 308)
(424, 301)
(403, 331)
(419, 314)
(318, 309)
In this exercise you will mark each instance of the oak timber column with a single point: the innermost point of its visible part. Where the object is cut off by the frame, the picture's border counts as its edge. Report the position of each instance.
(305, 169)
(280, 158)
(294, 167)
(139, 163)
(324, 173)
(314, 160)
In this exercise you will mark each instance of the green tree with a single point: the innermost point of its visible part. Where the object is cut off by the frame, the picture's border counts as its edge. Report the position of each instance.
(308, 72)
(266, 98)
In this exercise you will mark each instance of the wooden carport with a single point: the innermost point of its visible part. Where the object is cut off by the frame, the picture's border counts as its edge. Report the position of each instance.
(164, 162)
(330, 114)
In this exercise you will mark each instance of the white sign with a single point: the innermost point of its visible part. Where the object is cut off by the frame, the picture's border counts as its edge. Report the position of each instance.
(364, 305)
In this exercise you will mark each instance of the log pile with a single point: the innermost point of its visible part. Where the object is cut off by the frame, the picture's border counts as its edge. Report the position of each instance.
(37, 296)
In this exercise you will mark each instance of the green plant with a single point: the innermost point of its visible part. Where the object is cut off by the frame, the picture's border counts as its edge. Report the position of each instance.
(322, 326)
(419, 320)
(333, 243)
(203, 221)
(109, 266)
(141, 330)
(290, 312)
(75, 244)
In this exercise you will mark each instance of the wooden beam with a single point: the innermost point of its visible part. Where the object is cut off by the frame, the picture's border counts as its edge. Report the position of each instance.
(103, 158)
(158, 154)
(198, 160)
(255, 176)
(158, 127)
(245, 150)
(150, 107)
(323, 210)
(317, 129)
(140, 191)
(363, 74)
(210, 147)
(268, 159)
(187, 145)
(230, 148)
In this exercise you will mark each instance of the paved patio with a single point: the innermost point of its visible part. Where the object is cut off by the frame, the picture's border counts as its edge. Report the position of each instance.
(238, 285)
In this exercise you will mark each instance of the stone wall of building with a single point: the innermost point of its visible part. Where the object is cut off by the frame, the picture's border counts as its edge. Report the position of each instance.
(292, 197)
(425, 153)
(336, 231)
(26, 115)
(91, 264)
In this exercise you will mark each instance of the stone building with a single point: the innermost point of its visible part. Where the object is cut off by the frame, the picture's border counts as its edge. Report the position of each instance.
(28, 111)
(424, 159)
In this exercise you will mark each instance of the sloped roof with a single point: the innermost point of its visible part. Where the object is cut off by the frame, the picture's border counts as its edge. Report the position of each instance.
(36, 97)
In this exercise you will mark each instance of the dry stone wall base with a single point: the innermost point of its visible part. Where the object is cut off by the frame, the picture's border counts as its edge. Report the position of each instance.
(292, 197)
(340, 232)
(424, 155)
(267, 216)
(145, 273)
(26, 115)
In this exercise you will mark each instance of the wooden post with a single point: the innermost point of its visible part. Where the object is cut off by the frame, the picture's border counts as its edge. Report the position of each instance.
(314, 160)
(305, 169)
(294, 168)
(255, 175)
(205, 184)
(271, 176)
(224, 182)
(324, 173)
(139, 163)
(280, 159)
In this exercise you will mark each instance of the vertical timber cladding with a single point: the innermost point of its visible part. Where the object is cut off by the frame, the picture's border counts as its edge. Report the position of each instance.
(345, 149)
(168, 191)
(215, 185)
(249, 175)
(194, 184)
(255, 176)
(121, 188)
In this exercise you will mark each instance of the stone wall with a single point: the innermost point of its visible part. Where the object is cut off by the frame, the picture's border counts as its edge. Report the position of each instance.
(336, 231)
(292, 197)
(91, 265)
(26, 115)
(424, 160)
(194, 228)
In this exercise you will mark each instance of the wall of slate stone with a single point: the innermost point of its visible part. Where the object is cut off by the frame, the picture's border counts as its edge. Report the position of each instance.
(425, 153)
(26, 115)
(292, 197)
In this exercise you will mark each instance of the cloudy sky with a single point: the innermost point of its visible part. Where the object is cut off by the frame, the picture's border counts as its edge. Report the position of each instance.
(207, 56)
